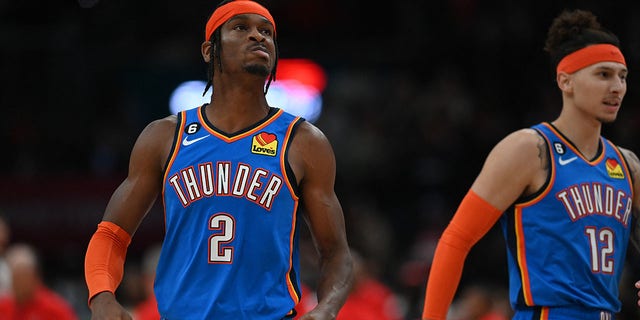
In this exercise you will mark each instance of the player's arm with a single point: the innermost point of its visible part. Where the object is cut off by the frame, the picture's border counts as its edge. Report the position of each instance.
(127, 207)
(634, 169)
(315, 166)
(514, 167)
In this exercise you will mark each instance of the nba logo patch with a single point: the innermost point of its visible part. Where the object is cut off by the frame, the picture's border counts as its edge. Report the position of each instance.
(265, 144)
(614, 169)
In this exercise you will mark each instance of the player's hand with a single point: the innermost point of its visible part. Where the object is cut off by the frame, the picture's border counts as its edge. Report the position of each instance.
(104, 306)
(317, 314)
(638, 287)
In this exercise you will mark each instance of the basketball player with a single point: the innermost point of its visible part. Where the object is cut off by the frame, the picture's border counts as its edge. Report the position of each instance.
(570, 192)
(232, 174)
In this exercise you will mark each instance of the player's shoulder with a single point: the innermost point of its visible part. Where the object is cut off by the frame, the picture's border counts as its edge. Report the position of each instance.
(309, 133)
(631, 158)
(309, 142)
(628, 153)
(161, 127)
(155, 140)
(634, 170)
(159, 133)
(521, 140)
(168, 122)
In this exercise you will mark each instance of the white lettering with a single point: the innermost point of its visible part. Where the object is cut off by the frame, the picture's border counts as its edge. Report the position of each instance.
(608, 201)
(577, 200)
(176, 186)
(597, 195)
(271, 191)
(240, 183)
(255, 184)
(190, 184)
(206, 176)
(223, 178)
(562, 196)
(589, 199)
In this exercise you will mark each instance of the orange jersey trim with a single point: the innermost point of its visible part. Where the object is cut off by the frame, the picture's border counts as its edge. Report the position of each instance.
(544, 313)
(283, 160)
(520, 239)
(174, 153)
(522, 260)
(290, 285)
(241, 135)
(573, 148)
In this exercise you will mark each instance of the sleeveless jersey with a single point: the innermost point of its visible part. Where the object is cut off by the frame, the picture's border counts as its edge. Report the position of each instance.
(230, 249)
(567, 244)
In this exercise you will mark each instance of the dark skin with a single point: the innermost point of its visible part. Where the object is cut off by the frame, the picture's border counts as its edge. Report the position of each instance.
(247, 58)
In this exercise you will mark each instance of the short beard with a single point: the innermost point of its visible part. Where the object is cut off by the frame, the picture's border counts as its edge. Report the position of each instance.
(256, 69)
(607, 121)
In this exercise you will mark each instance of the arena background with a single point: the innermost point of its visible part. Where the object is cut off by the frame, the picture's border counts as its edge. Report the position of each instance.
(418, 92)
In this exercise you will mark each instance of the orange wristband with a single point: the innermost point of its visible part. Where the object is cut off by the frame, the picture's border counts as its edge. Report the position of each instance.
(473, 219)
(104, 259)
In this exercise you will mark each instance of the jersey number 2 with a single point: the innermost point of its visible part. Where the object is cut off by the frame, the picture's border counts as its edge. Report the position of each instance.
(601, 243)
(219, 249)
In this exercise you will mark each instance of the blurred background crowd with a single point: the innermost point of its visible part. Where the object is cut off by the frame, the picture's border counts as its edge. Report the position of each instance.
(417, 94)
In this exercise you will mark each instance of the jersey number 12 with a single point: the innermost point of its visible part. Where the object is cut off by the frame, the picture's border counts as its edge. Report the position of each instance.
(601, 243)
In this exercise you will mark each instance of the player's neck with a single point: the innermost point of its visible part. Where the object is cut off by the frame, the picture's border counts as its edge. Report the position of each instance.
(585, 135)
(232, 113)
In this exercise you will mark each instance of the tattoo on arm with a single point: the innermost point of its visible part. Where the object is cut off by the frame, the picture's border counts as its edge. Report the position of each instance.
(543, 154)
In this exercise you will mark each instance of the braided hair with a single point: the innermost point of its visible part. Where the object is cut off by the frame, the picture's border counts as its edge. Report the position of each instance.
(216, 53)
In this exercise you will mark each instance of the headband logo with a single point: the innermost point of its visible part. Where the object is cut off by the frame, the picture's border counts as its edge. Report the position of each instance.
(588, 56)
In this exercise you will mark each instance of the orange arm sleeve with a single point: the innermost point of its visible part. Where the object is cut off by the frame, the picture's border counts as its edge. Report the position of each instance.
(104, 260)
(473, 219)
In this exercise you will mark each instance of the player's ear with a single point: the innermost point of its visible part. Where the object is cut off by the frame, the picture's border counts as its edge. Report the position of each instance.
(205, 50)
(565, 82)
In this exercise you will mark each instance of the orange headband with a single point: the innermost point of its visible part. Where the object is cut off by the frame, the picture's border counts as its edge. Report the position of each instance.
(234, 8)
(590, 55)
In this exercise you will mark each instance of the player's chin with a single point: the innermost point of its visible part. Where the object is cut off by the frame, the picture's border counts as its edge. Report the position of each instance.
(257, 69)
(609, 118)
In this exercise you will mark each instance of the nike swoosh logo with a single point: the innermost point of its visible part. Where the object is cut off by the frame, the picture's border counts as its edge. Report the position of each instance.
(564, 162)
(187, 142)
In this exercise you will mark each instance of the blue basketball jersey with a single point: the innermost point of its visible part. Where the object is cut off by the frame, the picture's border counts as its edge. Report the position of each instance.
(230, 249)
(567, 244)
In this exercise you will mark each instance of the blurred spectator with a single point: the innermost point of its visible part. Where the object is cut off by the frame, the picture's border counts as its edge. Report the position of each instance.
(148, 309)
(481, 302)
(30, 298)
(5, 273)
(369, 298)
